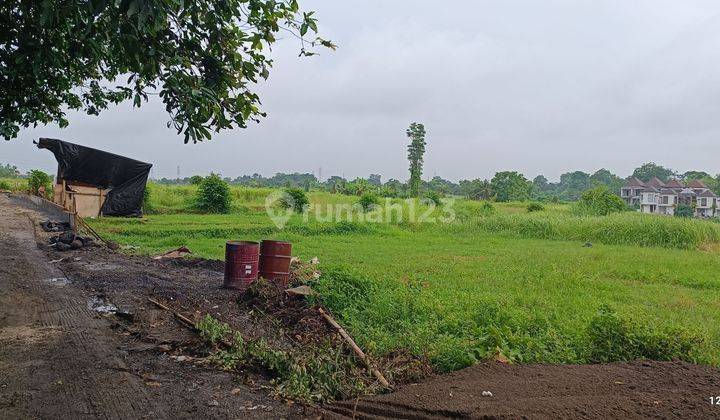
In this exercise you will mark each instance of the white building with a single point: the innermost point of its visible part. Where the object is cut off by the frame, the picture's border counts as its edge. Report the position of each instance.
(657, 197)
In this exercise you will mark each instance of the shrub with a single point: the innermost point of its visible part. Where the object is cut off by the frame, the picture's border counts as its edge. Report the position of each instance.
(4, 185)
(599, 201)
(368, 202)
(213, 195)
(38, 180)
(196, 180)
(614, 339)
(684, 210)
(532, 207)
(486, 209)
(434, 197)
(294, 198)
(147, 206)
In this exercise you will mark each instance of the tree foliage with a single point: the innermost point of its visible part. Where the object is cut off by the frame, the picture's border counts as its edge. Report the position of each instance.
(416, 151)
(477, 189)
(600, 201)
(7, 171)
(510, 186)
(650, 170)
(684, 210)
(295, 199)
(213, 195)
(201, 57)
(39, 183)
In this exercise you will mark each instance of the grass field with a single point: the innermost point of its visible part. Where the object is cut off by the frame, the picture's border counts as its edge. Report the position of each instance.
(502, 281)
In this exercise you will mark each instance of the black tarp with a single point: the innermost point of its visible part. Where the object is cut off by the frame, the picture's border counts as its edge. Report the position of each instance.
(125, 177)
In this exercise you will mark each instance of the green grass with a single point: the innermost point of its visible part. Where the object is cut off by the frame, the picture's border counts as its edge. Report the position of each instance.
(522, 285)
(14, 184)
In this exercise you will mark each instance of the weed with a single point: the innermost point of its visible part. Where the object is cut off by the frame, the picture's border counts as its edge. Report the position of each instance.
(533, 207)
(213, 330)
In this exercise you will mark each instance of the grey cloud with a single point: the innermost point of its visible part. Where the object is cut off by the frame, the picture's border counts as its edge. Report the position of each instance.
(539, 87)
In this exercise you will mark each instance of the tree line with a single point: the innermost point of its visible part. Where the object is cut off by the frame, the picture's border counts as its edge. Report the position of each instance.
(503, 186)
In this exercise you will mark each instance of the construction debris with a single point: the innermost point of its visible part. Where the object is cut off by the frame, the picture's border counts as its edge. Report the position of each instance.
(50, 226)
(68, 240)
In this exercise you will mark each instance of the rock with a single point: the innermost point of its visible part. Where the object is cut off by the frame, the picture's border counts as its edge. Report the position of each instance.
(113, 245)
(76, 244)
(487, 394)
(66, 237)
(62, 247)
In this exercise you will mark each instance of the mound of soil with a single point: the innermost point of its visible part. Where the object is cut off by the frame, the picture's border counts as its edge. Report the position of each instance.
(495, 390)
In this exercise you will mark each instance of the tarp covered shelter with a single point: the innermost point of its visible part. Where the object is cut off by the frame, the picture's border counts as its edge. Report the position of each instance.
(117, 183)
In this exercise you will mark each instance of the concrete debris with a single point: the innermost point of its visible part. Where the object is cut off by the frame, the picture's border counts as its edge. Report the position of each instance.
(50, 226)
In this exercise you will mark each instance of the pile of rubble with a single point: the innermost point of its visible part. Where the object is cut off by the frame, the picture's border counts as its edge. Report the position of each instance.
(50, 226)
(68, 240)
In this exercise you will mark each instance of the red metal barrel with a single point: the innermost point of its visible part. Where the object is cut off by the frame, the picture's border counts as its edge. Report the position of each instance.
(275, 262)
(241, 264)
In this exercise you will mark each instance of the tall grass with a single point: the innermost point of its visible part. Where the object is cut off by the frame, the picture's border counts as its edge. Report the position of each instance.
(615, 229)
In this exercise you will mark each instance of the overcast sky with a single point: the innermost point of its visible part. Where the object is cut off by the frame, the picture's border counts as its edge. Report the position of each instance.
(541, 87)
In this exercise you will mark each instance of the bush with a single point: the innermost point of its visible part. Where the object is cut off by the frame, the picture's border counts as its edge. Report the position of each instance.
(294, 198)
(368, 202)
(684, 210)
(4, 185)
(147, 206)
(213, 195)
(532, 207)
(434, 197)
(39, 180)
(599, 201)
(196, 180)
(487, 209)
(614, 339)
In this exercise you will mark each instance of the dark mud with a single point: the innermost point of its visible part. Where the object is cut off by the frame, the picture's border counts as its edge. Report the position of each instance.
(495, 390)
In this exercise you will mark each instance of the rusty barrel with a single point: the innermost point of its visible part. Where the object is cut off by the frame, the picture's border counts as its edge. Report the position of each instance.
(241, 264)
(275, 262)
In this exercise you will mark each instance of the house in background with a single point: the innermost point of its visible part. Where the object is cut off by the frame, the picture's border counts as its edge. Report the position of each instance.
(657, 197)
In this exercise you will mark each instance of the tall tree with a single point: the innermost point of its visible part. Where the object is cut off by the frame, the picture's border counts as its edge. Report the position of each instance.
(477, 189)
(203, 58)
(375, 179)
(572, 184)
(690, 175)
(416, 151)
(650, 170)
(608, 179)
(510, 186)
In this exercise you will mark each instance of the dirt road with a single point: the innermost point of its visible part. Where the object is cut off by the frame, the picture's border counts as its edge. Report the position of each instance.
(61, 359)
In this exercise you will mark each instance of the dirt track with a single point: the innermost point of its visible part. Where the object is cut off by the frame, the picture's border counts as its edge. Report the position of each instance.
(610, 391)
(58, 358)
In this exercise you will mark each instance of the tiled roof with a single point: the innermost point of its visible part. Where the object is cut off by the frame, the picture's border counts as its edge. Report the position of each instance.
(707, 193)
(668, 191)
(674, 183)
(654, 182)
(696, 183)
(634, 182)
(651, 189)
